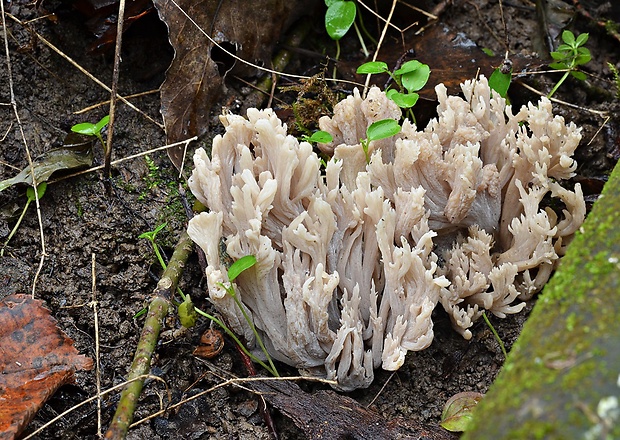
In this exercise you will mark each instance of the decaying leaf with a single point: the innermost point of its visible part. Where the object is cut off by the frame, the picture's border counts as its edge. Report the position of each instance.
(457, 412)
(194, 80)
(36, 358)
(75, 153)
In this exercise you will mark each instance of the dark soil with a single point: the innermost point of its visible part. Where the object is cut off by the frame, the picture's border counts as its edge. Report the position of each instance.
(81, 220)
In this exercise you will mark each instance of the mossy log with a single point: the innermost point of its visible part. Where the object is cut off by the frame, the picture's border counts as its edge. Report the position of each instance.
(561, 380)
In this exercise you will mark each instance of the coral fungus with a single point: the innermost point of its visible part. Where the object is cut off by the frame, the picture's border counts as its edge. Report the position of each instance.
(353, 257)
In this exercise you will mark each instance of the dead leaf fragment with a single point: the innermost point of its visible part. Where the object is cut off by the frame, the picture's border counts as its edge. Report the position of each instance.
(194, 80)
(36, 358)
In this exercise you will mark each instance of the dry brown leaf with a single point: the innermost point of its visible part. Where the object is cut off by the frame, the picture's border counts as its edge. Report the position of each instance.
(194, 80)
(36, 358)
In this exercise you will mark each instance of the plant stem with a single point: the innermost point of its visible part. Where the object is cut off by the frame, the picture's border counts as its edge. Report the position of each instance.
(558, 84)
(158, 308)
(497, 338)
(273, 370)
(362, 42)
(16, 227)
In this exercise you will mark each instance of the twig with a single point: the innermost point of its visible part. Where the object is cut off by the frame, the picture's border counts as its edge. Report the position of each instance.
(97, 365)
(158, 308)
(383, 32)
(113, 92)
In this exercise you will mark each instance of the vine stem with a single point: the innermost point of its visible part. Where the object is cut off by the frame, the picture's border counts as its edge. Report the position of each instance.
(158, 308)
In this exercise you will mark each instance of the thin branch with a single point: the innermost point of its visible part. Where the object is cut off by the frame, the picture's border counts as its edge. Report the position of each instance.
(113, 92)
(158, 308)
(97, 365)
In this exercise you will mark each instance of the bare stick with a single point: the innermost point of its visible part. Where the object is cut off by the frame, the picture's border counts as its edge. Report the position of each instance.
(158, 308)
(115, 74)
(97, 365)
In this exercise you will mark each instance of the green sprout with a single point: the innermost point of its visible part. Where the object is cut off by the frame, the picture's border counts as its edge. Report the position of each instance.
(90, 129)
(409, 78)
(569, 57)
(339, 18)
(187, 311)
(379, 130)
(500, 80)
(236, 269)
(30, 197)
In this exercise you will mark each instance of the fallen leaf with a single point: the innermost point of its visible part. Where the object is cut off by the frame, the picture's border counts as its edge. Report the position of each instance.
(457, 412)
(194, 80)
(75, 153)
(36, 358)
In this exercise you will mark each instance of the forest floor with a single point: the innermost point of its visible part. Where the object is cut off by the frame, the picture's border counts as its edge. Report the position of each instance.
(80, 219)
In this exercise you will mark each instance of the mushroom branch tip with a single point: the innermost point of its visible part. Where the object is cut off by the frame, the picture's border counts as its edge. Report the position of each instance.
(353, 256)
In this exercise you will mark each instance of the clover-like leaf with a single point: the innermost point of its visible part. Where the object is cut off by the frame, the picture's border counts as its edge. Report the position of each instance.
(382, 129)
(372, 67)
(339, 18)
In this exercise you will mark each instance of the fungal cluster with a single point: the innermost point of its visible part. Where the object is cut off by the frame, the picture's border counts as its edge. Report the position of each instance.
(353, 257)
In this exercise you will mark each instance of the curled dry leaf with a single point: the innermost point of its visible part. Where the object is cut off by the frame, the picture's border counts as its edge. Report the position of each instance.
(36, 358)
(457, 412)
(194, 80)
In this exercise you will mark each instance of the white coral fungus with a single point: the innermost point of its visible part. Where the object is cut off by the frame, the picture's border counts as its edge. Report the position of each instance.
(353, 258)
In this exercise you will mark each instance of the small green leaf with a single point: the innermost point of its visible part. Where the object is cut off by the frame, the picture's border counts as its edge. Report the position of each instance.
(582, 59)
(320, 136)
(382, 129)
(558, 66)
(568, 37)
(415, 80)
(457, 412)
(579, 75)
(87, 128)
(150, 235)
(372, 67)
(488, 51)
(40, 191)
(239, 266)
(404, 100)
(102, 123)
(557, 56)
(339, 18)
(582, 38)
(408, 67)
(187, 313)
(500, 82)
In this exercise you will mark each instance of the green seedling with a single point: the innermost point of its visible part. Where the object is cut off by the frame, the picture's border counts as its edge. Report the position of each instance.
(236, 269)
(500, 81)
(379, 130)
(150, 236)
(569, 57)
(321, 137)
(30, 197)
(90, 129)
(187, 311)
(339, 18)
(409, 78)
